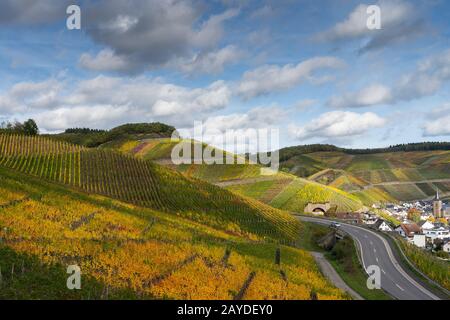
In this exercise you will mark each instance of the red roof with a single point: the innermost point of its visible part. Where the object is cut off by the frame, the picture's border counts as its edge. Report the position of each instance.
(411, 229)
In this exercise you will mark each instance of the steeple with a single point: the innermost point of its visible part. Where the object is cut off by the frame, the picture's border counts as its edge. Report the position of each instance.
(437, 194)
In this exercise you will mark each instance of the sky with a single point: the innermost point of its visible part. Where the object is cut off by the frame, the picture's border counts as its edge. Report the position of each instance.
(311, 69)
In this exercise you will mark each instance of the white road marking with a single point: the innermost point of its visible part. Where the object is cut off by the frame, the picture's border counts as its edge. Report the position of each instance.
(390, 254)
(374, 250)
(376, 258)
(384, 272)
(371, 243)
(400, 287)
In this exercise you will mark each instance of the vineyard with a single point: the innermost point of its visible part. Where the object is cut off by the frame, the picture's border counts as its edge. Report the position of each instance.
(129, 252)
(142, 183)
(297, 195)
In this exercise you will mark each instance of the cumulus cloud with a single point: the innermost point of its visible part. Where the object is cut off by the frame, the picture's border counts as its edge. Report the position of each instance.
(212, 62)
(427, 79)
(149, 33)
(438, 122)
(106, 60)
(30, 95)
(104, 99)
(399, 20)
(237, 126)
(338, 124)
(272, 78)
(31, 12)
(371, 95)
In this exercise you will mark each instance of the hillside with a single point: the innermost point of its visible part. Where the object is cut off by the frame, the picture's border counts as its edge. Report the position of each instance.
(282, 190)
(398, 173)
(94, 137)
(130, 252)
(146, 184)
(377, 177)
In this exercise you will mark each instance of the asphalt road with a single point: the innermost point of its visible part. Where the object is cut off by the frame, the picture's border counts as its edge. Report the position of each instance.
(375, 250)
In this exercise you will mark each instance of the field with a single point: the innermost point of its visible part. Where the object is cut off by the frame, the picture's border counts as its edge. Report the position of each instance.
(299, 192)
(142, 183)
(378, 177)
(130, 252)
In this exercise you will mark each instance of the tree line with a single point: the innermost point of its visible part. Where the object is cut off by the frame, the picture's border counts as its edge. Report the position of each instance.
(28, 127)
(289, 152)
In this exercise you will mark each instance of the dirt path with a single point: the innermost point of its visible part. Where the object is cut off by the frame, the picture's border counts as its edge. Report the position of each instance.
(243, 181)
(328, 270)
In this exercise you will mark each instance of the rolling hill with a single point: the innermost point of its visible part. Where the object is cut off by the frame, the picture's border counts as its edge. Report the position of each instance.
(385, 175)
(281, 190)
(130, 252)
(143, 183)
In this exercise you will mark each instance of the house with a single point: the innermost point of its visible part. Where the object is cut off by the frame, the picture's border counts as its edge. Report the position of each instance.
(446, 247)
(407, 230)
(437, 233)
(426, 225)
(369, 218)
(421, 240)
(382, 225)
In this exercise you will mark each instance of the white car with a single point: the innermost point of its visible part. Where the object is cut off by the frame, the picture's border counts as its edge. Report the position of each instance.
(335, 225)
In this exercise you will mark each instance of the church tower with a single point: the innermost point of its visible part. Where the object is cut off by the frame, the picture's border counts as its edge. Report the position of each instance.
(437, 206)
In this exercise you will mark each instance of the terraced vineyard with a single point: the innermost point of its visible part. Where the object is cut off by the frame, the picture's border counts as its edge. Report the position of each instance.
(297, 195)
(129, 252)
(145, 184)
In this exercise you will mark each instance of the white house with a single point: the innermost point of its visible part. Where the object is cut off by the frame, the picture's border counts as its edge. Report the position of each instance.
(437, 233)
(420, 240)
(446, 247)
(426, 225)
(382, 225)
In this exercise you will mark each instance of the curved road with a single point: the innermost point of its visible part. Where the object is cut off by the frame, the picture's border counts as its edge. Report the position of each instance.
(375, 250)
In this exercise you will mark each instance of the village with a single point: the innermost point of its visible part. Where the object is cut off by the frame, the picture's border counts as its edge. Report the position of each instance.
(423, 223)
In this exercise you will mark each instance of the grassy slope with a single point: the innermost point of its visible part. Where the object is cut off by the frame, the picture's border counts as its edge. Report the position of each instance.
(298, 193)
(279, 192)
(379, 168)
(121, 247)
(146, 184)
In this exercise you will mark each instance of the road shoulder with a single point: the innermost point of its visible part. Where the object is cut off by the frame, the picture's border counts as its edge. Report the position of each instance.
(329, 272)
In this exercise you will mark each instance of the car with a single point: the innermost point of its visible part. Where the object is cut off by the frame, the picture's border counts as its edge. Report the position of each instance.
(335, 225)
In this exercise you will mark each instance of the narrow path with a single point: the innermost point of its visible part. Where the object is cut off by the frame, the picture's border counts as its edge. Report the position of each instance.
(329, 272)
(243, 181)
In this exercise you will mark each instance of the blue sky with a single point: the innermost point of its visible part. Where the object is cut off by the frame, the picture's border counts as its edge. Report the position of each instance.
(312, 69)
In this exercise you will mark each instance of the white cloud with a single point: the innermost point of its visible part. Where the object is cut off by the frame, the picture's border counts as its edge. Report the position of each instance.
(438, 123)
(272, 78)
(371, 95)
(427, 79)
(97, 116)
(137, 99)
(212, 62)
(216, 129)
(106, 60)
(337, 124)
(30, 95)
(399, 20)
(150, 33)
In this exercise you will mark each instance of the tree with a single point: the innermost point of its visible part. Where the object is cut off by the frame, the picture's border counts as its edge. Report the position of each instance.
(414, 215)
(30, 127)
